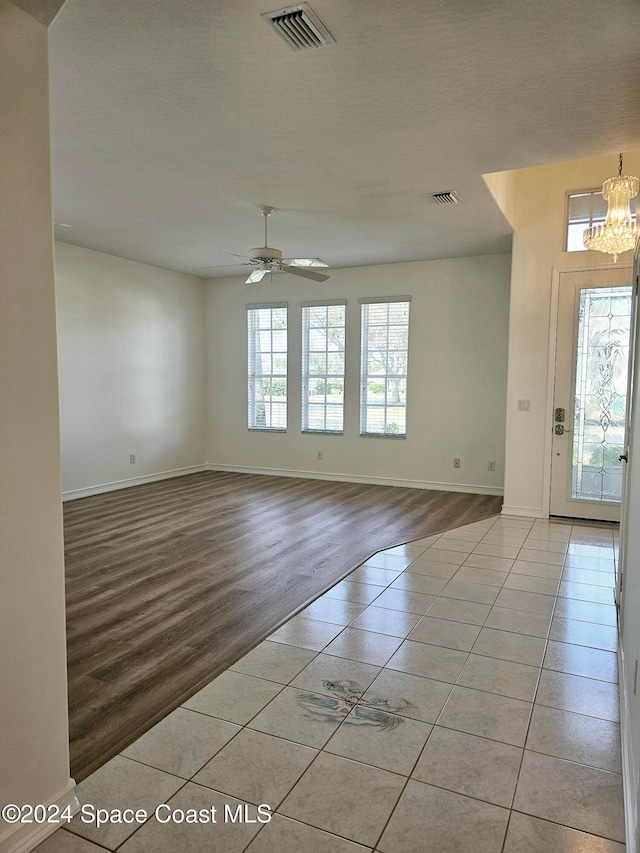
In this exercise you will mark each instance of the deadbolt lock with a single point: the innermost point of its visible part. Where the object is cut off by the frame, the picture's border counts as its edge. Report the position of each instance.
(559, 416)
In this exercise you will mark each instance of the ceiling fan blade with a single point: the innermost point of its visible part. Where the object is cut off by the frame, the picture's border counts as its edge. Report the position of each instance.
(305, 262)
(256, 276)
(246, 257)
(315, 276)
(219, 267)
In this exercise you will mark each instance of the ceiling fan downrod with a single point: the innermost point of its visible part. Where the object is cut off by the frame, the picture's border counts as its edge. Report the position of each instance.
(265, 253)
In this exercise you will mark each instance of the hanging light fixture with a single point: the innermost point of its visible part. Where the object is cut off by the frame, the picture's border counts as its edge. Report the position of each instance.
(619, 232)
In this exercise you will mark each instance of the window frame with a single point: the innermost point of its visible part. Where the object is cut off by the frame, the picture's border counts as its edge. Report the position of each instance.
(253, 376)
(591, 191)
(307, 376)
(365, 376)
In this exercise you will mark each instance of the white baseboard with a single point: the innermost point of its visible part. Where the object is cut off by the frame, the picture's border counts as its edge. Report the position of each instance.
(22, 838)
(526, 511)
(73, 494)
(356, 478)
(629, 771)
(470, 488)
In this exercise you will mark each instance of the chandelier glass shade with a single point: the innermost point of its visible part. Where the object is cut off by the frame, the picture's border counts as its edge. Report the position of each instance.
(618, 233)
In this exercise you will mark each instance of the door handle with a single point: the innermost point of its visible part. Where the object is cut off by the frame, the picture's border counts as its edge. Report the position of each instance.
(623, 457)
(560, 430)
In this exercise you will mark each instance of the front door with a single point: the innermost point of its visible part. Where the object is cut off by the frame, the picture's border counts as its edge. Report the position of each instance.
(590, 400)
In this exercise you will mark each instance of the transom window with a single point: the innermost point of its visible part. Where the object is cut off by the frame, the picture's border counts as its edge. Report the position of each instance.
(584, 209)
(323, 348)
(267, 366)
(383, 375)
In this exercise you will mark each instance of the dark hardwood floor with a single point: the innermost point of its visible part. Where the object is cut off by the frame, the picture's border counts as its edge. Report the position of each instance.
(170, 583)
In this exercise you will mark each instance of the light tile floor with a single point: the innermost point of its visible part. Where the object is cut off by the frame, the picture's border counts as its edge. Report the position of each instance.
(454, 694)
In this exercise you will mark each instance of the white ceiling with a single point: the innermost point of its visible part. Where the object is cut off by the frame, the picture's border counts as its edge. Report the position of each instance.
(42, 10)
(173, 120)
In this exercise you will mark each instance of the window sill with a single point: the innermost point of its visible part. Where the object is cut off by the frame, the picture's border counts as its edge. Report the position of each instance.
(382, 435)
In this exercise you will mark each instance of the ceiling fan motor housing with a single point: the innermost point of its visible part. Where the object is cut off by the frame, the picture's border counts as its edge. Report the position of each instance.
(265, 253)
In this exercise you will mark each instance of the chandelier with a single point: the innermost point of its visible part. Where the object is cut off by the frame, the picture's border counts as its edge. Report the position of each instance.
(619, 231)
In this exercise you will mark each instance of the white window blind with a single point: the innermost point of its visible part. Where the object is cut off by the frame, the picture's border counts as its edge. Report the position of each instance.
(323, 348)
(383, 375)
(584, 209)
(267, 366)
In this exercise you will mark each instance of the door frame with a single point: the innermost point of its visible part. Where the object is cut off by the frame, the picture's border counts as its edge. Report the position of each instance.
(557, 272)
(632, 415)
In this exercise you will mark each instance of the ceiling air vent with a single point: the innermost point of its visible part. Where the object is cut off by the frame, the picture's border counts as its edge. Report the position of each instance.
(299, 27)
(450, 197)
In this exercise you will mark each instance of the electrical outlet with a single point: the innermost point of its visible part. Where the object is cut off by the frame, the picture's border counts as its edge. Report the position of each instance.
(132, 459)
(456, 463)
(491, 466)
(320, 454)
(524, 405)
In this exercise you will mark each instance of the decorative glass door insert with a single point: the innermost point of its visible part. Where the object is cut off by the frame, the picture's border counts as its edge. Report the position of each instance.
(602, 360)
(590, 394)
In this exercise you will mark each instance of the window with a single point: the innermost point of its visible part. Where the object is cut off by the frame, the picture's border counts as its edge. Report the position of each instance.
(600, 393)
(383, 376)
(584, 209)
(323, 341)
(267, 366)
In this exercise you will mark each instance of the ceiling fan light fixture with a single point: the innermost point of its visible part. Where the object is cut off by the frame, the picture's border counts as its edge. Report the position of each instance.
(619, 231)
(265, 253)
(266, 259)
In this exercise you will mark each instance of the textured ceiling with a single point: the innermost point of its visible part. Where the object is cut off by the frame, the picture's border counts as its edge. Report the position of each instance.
(43, 11)
(172, 120)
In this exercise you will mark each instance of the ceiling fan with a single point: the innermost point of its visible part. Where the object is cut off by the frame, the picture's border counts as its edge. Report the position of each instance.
(266, 260)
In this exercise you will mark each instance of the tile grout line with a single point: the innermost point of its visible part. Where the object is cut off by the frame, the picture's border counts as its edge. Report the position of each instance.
(547, 640)
(408, 777)
(407, 569)
(535, 693)
(384, 666)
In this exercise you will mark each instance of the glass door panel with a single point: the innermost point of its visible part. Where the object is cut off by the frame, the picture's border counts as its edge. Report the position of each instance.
(602, 361)
(590, 395)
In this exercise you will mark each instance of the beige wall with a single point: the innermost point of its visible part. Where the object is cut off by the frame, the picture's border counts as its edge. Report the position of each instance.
(456, 392)
(34, 758)
(132, 363)
(457, 372)
(537, 200)
(629, 615)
